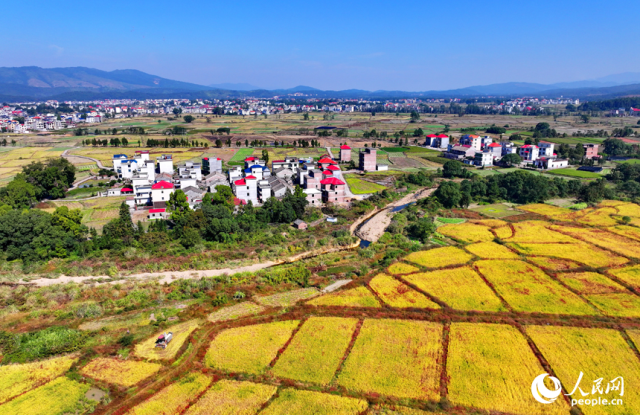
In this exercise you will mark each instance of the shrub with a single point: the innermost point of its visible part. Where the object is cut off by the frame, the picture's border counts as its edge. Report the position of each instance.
(54, 340)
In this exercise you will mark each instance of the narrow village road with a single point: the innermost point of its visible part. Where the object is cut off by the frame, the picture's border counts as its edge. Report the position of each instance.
(66, 154)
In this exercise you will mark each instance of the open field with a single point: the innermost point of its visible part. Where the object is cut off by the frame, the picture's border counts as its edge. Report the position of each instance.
(119, 372)
(396, 294)
(58, 397)
(577, 173)
(175, 397)
(316, 350)
(181, 332)
(360, 187)
(249, 349)
(407, 353)
(228, 397)
(355, 297)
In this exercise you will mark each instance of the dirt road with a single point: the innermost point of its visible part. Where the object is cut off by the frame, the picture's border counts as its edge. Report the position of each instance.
(375, 227)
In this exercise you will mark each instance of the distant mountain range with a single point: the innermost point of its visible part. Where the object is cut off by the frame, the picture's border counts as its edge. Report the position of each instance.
(78, 83)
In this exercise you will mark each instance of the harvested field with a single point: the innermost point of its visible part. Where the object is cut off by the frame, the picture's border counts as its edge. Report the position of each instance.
(554, 264)
(407, 359)
(460, 288)
(316, 350)
(611, 241)
(249, 349)
(396, 294)
(181, 333)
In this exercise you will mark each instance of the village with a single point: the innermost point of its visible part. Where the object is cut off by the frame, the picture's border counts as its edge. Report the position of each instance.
(148, 184)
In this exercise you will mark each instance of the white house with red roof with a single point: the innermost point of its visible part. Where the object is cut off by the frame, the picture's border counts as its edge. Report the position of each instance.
(161, 191)
(246, 189)
(345, 153)
(529, 152)
(333, 190)
(545, 149)
(159, 213)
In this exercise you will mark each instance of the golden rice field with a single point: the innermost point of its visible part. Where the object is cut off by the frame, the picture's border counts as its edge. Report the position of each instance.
(354, 297)
(292, 401)
(491, 223)
(538, 232)
(553, 264)
(249, 349)
(175, 398)
(440, 257)
(396, 294)
(491, 366)
(491, 250)
(181, 332)
(597, 353)
(584, 253)
(467, 232)
(316, 350)
(460, 288)
(604, 239)
(396, 358)
(287, 298)
(58, 397)
(119, 372)
(503, 232)
(229, 397)
(402, 268)
(527, 288)
(629, 275)
(17, 379)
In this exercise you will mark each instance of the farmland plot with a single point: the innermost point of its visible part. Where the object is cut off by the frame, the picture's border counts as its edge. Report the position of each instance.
(583, 253)
(630, 275)
(316, 350)
(439, 257)
(119, 372)
(235, 311)
(538, 232)
(611, 241)
(397, 294)
(597, 353)
(395, 358)
(491, 366)
(460, 288)
(467, 232)
(175, 398)
(491, 250)
(17, 379)
(401, 268)
(249, 349)
(354, 297)
(181, 332)
(526, 288)
(58, 397)
(292, 401)
(229, 397)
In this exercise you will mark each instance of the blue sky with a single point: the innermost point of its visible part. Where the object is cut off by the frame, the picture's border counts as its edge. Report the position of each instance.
(412, 46)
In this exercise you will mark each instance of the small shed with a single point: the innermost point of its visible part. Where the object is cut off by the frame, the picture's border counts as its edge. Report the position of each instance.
(299, 224)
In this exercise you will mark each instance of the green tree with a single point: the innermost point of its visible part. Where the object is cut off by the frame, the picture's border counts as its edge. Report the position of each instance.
(452, 168)
(178, 204)
(415, 116)
(422, 229)
(188, 119)
(18, 194)
(511, 159)
(121, 228)
(265, 156)
(448, 194)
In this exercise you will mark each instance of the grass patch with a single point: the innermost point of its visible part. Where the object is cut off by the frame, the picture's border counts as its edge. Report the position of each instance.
(360, 187)
(575, 173)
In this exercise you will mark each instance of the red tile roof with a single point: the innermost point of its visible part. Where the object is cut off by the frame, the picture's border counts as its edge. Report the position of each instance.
(432, 136)
(240, 182)
(126, 189)
(251, 177)
(331, 180)
(162, 185)
(327, 160)
(494, 145)
(442, 136)
(333, 168)
(345, 147)
(157, 210)
(327, 173)
(250, 159)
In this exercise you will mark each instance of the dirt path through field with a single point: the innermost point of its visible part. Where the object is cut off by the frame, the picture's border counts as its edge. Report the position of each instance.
(375, 227)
